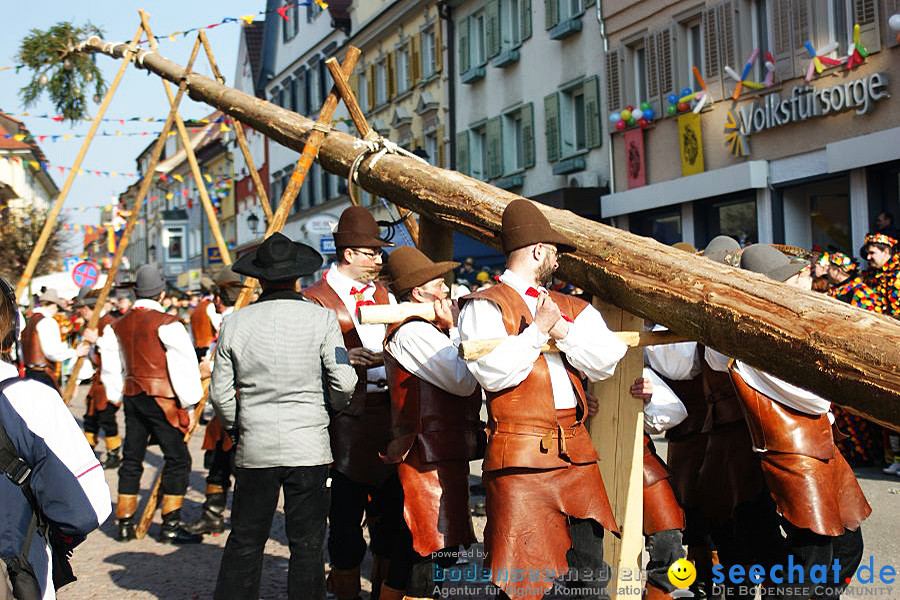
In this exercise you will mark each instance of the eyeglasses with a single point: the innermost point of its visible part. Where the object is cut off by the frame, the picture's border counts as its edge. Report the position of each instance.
(371, 254)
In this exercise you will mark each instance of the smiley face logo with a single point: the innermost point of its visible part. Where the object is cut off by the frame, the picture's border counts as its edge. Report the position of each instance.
(682, 573)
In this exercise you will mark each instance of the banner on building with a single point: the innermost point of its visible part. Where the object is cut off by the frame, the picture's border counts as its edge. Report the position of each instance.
(690, 140)
(634, 158)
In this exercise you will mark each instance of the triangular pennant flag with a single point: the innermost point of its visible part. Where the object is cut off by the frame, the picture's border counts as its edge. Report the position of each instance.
(282, 11)
(248, 19)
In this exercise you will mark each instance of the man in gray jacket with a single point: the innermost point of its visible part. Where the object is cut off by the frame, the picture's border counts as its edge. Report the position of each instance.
(273, 363)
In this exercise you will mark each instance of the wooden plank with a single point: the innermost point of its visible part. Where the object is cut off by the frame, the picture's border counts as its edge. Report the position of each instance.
(617, 432)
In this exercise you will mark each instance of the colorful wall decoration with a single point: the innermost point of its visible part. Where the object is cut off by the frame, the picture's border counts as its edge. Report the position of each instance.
(690, 140)
(635, 158)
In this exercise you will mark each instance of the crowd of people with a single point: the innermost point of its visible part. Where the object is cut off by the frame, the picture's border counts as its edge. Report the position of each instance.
(371, 425)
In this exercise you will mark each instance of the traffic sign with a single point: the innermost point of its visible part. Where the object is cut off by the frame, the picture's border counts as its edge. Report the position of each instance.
(326, 245)
(86, 273)
(213, 255)
(69, 262)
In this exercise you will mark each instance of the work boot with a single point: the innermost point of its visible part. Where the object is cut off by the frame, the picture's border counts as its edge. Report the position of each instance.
(389, 593)
(113, 459)
(379, 573)
(213, 518)
(344, 584)
(173, 531)
(125, 509)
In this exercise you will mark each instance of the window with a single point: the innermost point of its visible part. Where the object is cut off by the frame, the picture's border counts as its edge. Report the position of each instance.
(362, 90)
(639, 76)
(663, 225)
(291, 25)
(694, 47)
(173, 241)
(570, 8)
(293, 98)
(324, 79)
(478, 152)
(511, 23)
(760, 29)
(734, 217)
(476, 38)
(313, 85)
(431, 148)
(402, 58)
(429, 52)
(572, 120)
(300, 91)
(313, 10)
(839, 28)
(380, 83)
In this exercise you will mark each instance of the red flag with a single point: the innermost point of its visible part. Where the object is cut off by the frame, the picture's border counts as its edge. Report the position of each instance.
(283, 11)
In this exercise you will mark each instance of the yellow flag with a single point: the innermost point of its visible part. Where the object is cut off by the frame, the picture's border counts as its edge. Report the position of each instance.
(248, 19)
(223, 128)
(111, 240)
(169, 196)
(34, 164)
(19, 137)
(690, 140)
(207, 177)
(178, 178)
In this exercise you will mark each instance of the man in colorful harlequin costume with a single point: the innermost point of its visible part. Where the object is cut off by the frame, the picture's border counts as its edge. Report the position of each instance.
(883, 274)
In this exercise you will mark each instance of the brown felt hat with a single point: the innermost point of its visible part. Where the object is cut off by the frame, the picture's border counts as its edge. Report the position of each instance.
(357, 229)
(409, 268)
(524, 224)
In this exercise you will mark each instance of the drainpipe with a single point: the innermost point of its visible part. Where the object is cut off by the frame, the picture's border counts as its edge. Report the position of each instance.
(446, 14)
(612, 170)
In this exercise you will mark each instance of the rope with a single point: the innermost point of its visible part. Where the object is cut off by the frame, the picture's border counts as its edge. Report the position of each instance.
(379, 147)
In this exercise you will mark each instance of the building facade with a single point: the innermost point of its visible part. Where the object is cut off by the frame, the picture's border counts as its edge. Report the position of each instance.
(804, 154)
(24, 178)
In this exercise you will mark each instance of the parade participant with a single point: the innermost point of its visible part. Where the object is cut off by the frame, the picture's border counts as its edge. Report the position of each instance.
(123, 293)
(847, 285)
(219, 446)
(42, 343)
(205, 320)
(279, 366)
(360, 481)
(435, 425)
(819, 501)
(883, 274)
(100, 413)
(540, 466)
(821, 282)
(159, 383)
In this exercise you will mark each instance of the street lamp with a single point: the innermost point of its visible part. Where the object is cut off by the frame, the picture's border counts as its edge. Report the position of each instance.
(253, 222)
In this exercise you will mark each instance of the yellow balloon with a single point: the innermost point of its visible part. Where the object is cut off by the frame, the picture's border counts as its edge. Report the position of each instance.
(682, 573)
(626, 114)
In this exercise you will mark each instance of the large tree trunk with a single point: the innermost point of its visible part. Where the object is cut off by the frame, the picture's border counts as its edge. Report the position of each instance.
(844, 354)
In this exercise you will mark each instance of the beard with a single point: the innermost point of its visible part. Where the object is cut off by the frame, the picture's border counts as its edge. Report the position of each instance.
(545, 271)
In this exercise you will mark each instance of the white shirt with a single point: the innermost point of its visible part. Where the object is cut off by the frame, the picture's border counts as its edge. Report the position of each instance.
(589, 346)
(678, 362)
(371, 336)
(783, 392)
(427, 353)
(214, 317)
(181, 360)
(716, 360)
(50, 338)
(664, 410)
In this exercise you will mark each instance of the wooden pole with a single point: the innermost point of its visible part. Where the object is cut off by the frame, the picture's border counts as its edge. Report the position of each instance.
(146, 182)
(617, 432)
(53, 215)
(309, 153)
(239, 134)
(189, 153)
(365, 131)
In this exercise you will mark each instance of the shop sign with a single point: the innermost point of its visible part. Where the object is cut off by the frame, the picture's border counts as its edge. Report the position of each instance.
(806, 102)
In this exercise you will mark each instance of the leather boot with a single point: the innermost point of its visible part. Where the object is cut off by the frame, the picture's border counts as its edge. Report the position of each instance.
(389, 593)
(125, 509)
(344, 583)
(379, 573)
(172, 530)
(213, 518)
(113, 459)
(655, 593)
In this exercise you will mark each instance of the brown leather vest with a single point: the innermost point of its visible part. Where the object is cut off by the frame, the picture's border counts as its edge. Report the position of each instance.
(777, 428)
(445, 426)
(324, 295)
(31, 345)
(522, 420)
(97, 391)
(143, 354)
(201, 326)
(690, 392)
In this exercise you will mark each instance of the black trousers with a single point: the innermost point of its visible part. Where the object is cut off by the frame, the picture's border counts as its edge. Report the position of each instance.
(145, 419)
(306, 501)
(102, 420)
(664, 548)
(220, 466)
(383, 508)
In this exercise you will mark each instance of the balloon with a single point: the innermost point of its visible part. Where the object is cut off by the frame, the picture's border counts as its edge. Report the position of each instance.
(637, 114)
(671, 110)
(645, 106)
(631, 122)
(894, 22)
(672, 99)
(626, 114)
(629, 108)
(614, 117)
(684, 107)
(643, 122)
(620, 125)
(686, 91)
(649, 114)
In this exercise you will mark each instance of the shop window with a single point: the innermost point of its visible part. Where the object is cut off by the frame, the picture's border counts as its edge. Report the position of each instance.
(173, 241)
(735, 218)
(830, 222)
(663, 225)
(817, 215)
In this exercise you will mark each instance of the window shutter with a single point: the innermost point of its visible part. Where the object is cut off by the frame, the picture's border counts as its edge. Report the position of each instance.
(527, 116)
(525, 16)
(802, 32)
(782, 40)
(439, 135)
(391, 74)
(370, 87)
(551, 126)
(652, 70)
(493, 134)
(890, 7)
(594, 131)
(665, 42)
(462, 152)
(865, 14)
(464, 46)
(551, 13)
(613, 81)
(438, 47)
(492, 25)
(302, 106)
(712, 64)
(729, 52)
(415, 66)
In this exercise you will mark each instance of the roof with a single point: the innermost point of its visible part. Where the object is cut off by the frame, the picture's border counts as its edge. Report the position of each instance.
(208, 133)
(253, 34)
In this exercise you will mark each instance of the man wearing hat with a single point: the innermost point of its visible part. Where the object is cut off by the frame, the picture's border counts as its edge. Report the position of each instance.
(435, 425)
(123, 293)
(883, 275)
(817, 497)
(360, 481)
(159, 384)
(546, 502)
(218, 445)
(101, 413)
(42, 344)
(280, 368)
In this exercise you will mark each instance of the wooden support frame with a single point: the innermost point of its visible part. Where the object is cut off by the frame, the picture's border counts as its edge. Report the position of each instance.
(53, 215)
(310, 150)
(365, 132)
(617, 431)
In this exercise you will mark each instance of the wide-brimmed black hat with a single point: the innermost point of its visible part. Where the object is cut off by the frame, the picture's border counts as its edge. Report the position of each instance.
(279, 259)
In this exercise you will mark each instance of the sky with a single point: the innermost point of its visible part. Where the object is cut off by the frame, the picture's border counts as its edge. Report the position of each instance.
(138, 95)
